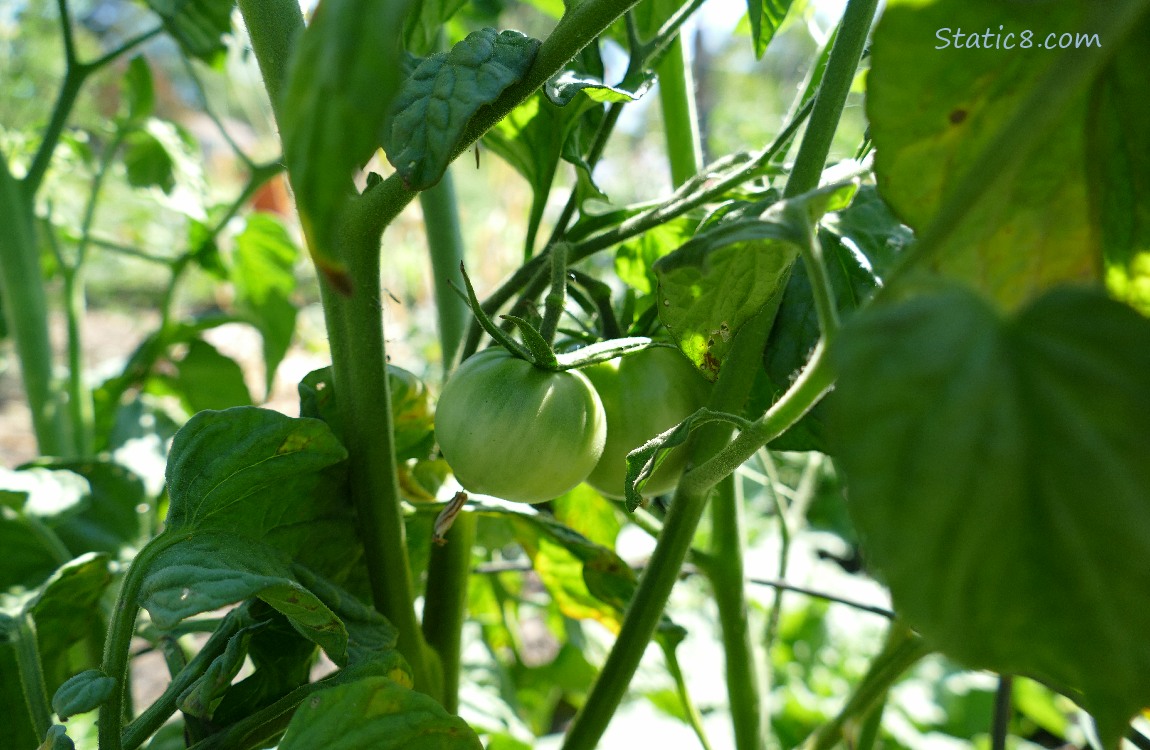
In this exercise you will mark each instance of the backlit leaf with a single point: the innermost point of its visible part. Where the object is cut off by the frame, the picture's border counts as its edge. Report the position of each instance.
(998, 479)
(936, 101)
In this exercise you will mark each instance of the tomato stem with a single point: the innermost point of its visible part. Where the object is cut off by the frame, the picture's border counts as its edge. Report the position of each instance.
(557, 298)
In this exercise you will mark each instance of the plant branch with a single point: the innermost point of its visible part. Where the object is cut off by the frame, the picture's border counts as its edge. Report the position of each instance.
(689, 708)
(445, 244)
(557, 297)
(680, 121)
(123, 48)
(902, 650)
(646, 608)
(117, 647)
(445, 608)
(832, 96)
(1000, 727)
(728, 585)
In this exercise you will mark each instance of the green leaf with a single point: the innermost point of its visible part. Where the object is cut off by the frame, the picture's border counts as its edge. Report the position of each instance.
(586, 511)
(148, 162)
(375, 713)
(198, 25)
(719, 280)
(229, 469)
(264, 277)
(933, 109)
(998, 479)
(57, 739)
(207, 379)
(139, 91)
(198, 698)
(435, 104)
(562, 89)
(271, 478)
(342, 79)
(26, 561)
(766, 17)
(869, 225)
(796, 332)
(66, 609)
(423, 26)
(82, 693)
(634, 259)
(215, 569)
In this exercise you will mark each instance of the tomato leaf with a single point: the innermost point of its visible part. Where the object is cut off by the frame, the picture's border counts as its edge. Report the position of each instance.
(198, 25)
(66, 609)
(148, 162)
(424, 23)
(214, 569)
(57, 739)
(766, 17)
(936, 102)
(375, 713)
(205, 378)
(263, 274)
(82, 693)
(434, 105)
(998, 479)
(109, 518)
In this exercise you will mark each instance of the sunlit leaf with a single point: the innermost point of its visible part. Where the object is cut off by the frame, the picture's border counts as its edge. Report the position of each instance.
(435, 104)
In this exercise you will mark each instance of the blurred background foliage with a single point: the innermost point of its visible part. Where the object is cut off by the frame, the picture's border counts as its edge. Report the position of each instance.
(527, 659)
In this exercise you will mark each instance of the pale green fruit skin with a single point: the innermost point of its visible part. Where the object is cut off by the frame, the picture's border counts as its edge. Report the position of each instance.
(513, 431)
(644, 393)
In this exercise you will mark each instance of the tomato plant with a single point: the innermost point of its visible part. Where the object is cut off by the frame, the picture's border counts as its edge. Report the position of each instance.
(918, 292)
(512, 430)
(643, 394)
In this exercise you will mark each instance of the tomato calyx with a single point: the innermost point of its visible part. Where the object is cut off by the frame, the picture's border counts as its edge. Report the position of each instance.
(535, 348)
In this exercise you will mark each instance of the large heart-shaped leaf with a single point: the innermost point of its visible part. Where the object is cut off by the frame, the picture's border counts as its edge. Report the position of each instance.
(999, 480)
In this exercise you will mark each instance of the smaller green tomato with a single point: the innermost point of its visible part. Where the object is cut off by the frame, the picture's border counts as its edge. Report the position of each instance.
(514, 431)
(644, 393)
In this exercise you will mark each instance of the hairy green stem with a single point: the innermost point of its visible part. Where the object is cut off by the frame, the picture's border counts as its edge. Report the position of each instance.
(118, 645)
(821, 290)
(32, 674)
(728, 585)
(445, 242)
(273, 27)
(557, 297)
(646, 608)
(680, 121)
(26, 310)
(902, 650)
(832, 96)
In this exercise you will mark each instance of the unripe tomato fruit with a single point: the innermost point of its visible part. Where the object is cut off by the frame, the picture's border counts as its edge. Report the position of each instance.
(514, 431)
(644, 393)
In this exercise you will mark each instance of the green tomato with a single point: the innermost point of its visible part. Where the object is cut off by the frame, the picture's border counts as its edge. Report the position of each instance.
(644, 393)
(514, 431)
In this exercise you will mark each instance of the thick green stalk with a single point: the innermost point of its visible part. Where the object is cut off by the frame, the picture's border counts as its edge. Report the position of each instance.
(680, 121)
(26, 310)
(445, 605)
(832, 96)
(32, 675)
(646, 608)
(445, 241)
(728, 584)
(557, 297)
(359, 367)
